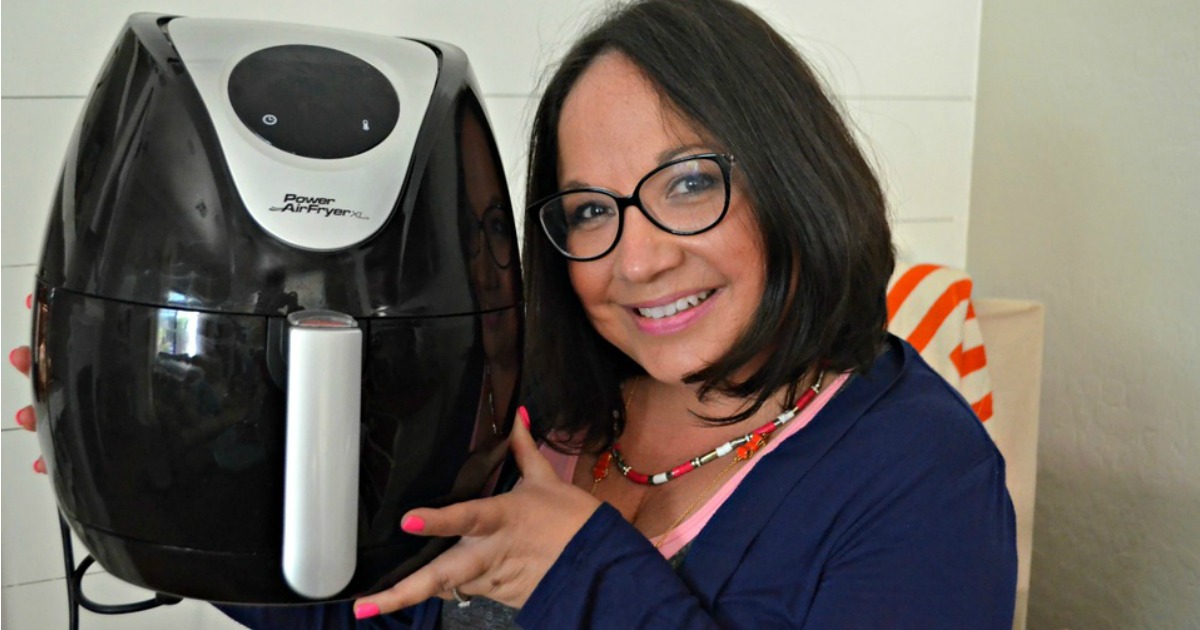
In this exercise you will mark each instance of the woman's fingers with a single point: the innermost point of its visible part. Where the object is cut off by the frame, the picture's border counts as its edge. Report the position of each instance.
(21, 358)
(534, 466)
(27, 418)
(457, 566)
(507, 542)
(470, 518)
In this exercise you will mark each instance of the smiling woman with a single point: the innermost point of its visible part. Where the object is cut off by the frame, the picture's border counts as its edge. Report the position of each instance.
(730, 438)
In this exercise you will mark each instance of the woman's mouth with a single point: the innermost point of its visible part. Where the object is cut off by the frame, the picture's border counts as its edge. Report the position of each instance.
(678, 306)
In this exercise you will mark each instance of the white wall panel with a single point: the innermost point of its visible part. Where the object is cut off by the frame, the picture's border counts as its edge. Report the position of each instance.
(938, 241)
(32, 544)
(35, 132)
(44, 605)
(913, 48)
(921, 150)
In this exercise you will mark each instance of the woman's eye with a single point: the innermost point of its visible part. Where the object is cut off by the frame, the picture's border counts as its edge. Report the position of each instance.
(497, 227)
(587, 215)
(692, 184)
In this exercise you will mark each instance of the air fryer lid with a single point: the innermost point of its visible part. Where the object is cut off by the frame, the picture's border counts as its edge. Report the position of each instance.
(255, 168)
(311, 131)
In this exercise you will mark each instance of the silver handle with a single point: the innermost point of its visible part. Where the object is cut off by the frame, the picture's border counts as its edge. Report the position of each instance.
(320, 495)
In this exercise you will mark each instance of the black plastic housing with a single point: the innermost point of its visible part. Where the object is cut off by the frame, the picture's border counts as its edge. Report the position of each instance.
(159, 337)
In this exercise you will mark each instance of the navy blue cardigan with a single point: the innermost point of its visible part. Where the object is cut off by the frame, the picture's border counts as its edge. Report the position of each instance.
(889, 510)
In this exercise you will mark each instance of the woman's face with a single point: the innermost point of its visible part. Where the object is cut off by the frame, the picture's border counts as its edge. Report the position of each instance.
(612, 132)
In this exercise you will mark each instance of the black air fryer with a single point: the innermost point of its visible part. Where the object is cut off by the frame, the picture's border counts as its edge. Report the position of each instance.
(278, 306)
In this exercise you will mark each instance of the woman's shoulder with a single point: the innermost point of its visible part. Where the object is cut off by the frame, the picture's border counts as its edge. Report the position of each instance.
(909, 415)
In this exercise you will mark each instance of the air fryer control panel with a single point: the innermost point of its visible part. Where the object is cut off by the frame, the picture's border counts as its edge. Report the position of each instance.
(317, 125)
(313, 101)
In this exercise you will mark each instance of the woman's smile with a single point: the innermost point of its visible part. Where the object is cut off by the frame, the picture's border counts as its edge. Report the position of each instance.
(671, 315)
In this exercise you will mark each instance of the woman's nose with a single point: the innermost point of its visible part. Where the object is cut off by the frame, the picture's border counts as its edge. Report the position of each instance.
(645, 250)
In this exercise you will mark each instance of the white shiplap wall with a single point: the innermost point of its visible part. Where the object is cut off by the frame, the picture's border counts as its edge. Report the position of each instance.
(906, 70)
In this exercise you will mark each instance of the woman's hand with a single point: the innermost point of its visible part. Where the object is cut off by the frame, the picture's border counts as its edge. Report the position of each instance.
(22, 359)
(508, 542)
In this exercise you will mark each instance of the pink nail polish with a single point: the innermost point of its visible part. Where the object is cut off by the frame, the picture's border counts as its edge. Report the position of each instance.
(29, 301)
(21, 416)
(413, 524)
(364, 611)
(523, 414)
(39, 467)
(11, 357)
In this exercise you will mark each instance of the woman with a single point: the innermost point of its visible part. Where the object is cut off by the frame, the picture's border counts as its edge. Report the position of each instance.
(730, 437)
(707, 245)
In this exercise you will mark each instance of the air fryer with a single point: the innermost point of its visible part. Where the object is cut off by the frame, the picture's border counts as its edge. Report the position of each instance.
(278, 306)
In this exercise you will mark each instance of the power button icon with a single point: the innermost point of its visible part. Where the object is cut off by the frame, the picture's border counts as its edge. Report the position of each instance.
(270, 120)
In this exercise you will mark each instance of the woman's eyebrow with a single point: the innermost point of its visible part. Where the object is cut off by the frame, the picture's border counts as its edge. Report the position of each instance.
(670, 154)
(661, 158)
(573, 184)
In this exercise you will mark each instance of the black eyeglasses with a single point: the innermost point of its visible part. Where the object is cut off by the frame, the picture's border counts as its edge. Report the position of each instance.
(685, 196)
(497, 232)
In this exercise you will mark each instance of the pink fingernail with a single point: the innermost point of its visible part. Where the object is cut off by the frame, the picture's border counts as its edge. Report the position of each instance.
(11, 357)
(413, 524)
(21, 413)
(39, 466)
(364, 611)
(29, 301)
(523, 414)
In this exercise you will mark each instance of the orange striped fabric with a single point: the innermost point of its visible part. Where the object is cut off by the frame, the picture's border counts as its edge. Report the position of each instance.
(930, 306)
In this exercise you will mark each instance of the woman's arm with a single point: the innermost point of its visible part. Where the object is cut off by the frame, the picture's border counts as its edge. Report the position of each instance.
(943, 558)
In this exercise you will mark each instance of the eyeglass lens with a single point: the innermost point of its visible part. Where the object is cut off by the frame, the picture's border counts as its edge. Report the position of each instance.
(494, 228)
(684, 197)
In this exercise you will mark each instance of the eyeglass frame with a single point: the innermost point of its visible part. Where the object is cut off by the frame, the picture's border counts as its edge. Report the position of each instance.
(724, 160)
(479, 233)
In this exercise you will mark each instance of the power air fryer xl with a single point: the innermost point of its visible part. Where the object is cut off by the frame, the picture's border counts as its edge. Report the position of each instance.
(278, 306)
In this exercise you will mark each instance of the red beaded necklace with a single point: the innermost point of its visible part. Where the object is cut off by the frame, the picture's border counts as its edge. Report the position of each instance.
(745, 447)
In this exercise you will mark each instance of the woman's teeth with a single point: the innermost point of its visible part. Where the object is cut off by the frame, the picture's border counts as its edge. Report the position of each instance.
(678, 306)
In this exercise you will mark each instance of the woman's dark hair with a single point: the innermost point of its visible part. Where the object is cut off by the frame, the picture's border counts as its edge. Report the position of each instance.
(818, 205)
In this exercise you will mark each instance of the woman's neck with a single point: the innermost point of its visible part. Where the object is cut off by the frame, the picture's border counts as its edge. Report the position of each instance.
(665, 420)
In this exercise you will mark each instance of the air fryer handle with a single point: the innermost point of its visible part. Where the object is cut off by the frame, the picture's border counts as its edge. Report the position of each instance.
(320, 497)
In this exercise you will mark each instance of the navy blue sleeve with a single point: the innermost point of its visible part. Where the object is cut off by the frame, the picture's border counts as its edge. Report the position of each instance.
(943, 560)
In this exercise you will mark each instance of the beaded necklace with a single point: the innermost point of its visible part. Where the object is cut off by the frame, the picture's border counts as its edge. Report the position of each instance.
(744, 446)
